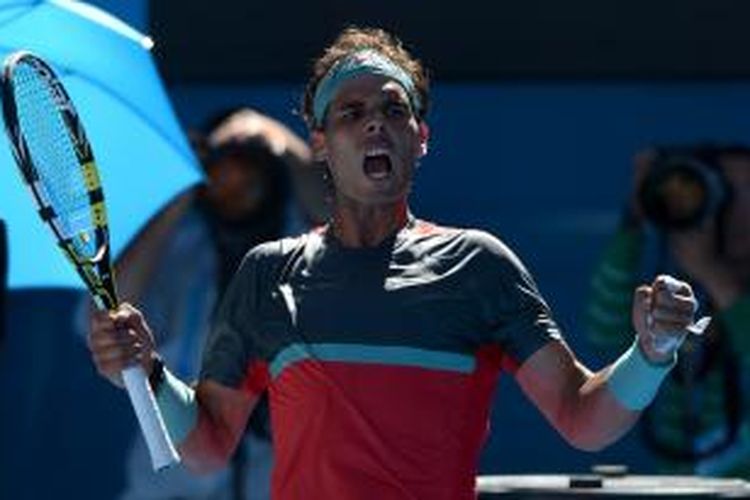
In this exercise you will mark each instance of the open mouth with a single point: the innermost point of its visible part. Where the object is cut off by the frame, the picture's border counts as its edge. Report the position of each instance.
(377, 165)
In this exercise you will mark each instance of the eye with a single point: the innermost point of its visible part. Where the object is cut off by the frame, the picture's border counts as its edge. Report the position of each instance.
(396, 109)
(349, 113)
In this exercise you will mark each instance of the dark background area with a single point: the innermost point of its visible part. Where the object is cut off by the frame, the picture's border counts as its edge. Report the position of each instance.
(469, 40)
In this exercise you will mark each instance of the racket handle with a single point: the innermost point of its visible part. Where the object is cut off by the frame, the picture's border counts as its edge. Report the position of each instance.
(163, 453)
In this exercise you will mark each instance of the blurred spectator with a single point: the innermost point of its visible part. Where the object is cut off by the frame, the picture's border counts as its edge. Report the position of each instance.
(697, 201)
(178, 266)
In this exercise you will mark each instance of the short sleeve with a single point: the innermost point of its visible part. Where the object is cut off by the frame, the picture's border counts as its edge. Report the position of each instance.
(232, 354)
(516, 316)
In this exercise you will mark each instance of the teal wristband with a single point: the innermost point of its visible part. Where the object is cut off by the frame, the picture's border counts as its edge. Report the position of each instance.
(634, 380)
(178, 406)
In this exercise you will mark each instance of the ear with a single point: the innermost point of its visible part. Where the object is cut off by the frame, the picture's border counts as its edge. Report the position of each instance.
(424, 137)
(318, 146)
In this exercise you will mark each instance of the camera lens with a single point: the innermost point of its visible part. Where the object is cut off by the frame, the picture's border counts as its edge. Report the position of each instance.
(681, 193)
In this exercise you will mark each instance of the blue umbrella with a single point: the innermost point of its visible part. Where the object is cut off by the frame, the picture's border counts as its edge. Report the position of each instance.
(141, 150)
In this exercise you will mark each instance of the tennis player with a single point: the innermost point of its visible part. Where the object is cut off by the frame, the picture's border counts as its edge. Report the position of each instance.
(381, 336)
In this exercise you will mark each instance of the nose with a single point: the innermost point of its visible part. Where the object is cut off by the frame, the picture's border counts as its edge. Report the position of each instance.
(374, 123)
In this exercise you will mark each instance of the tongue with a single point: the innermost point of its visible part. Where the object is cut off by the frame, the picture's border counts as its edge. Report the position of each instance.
(377, 167)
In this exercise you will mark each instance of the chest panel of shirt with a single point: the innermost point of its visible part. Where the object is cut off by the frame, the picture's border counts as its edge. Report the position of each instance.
(409, 295)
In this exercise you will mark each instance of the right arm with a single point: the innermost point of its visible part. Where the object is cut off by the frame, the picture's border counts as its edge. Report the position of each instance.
(222, 418)
(206, 422)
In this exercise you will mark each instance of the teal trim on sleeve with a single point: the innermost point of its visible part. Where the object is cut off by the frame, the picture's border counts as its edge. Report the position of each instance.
(178, 406)
(634, 380)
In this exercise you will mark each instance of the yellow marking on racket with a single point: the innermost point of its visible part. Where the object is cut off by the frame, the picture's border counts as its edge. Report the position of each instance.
(99, 214)
(91, 176)
(91, 275)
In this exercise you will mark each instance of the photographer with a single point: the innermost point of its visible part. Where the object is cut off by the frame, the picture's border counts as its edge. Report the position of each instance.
(697, 201)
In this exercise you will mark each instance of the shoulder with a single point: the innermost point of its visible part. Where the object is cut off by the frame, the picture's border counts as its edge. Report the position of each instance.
(282, 248)
(496, 261)
(477, 242)
(271, 256)
(487, 242)
(476, 251)
(276, 249)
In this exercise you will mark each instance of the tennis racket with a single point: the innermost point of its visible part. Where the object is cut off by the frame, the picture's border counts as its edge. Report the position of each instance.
(57, 164)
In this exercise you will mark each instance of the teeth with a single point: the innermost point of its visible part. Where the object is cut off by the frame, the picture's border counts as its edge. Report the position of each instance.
(376, 152)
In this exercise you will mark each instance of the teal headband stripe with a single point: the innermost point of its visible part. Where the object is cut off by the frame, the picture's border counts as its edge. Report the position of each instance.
(366, 61)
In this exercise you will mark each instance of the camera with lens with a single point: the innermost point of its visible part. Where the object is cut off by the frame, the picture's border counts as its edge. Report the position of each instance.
(684, 188)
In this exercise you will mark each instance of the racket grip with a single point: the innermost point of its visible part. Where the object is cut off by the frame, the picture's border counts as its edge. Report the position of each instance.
(163, 453)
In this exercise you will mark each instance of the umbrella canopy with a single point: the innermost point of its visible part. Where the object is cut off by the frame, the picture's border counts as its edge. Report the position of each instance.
(143, 155)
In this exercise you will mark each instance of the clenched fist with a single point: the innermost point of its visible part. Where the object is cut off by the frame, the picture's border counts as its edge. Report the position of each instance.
(663, 315)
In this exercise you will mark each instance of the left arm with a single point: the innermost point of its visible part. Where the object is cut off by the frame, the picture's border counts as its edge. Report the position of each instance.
(573, 399)
(593, 410)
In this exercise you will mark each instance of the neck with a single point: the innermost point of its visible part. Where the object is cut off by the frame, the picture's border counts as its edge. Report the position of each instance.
(356, 225)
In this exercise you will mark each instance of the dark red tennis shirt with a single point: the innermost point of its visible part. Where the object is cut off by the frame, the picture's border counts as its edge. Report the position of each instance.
(380, 362)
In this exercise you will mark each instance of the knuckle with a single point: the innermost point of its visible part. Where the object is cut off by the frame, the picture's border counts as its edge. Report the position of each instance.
(642, 293)
(130, 309)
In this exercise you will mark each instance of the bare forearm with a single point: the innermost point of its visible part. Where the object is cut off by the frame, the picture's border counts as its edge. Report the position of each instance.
(583, 406)
(609, 402)
(596, 419)
(205, 424)
(208, 447)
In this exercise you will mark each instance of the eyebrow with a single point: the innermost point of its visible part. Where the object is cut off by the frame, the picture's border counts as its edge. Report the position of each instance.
(395, 93)
(390, 95)
(353, 102)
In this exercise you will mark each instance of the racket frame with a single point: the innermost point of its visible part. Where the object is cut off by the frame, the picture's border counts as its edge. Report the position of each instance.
(95, 271)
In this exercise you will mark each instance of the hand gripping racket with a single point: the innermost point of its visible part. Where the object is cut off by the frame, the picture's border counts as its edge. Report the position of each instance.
(57, 163)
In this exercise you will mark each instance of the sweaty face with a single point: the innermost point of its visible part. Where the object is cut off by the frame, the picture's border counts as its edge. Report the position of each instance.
(371, 141)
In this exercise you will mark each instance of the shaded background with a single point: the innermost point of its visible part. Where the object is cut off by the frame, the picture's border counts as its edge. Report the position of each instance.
(470, 40)
(538, 107)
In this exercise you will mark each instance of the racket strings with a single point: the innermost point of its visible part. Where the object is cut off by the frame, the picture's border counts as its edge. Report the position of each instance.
(53, 155)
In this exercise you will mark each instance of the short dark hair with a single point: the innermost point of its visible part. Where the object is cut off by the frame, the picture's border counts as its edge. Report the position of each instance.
(238, 132)
(353, 39)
